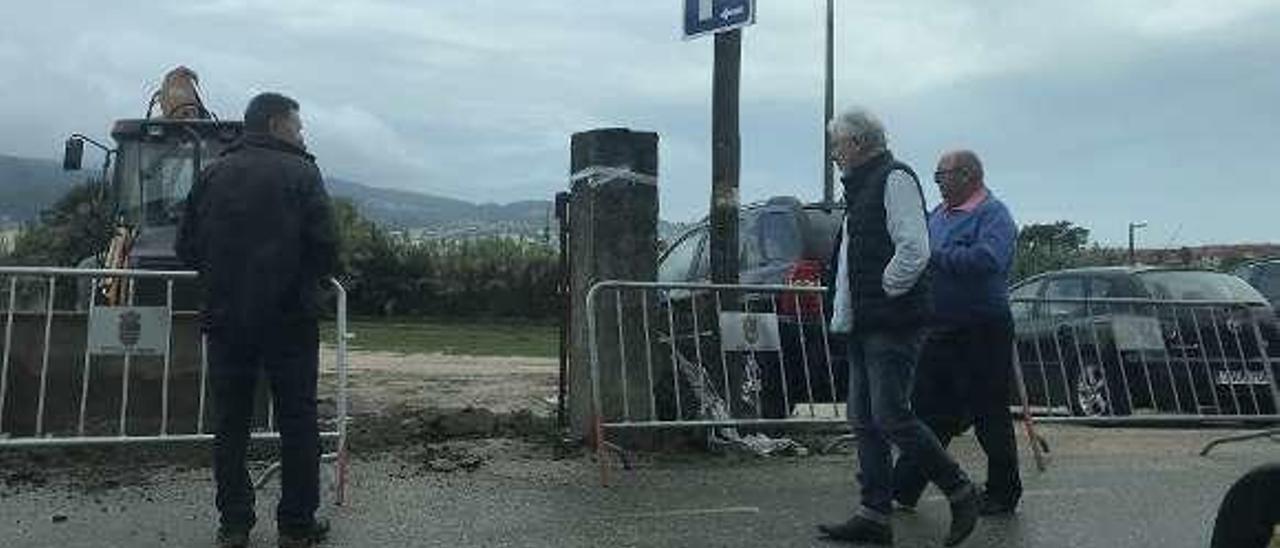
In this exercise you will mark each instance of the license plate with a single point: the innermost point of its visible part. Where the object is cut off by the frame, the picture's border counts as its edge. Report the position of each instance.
(1242, 377)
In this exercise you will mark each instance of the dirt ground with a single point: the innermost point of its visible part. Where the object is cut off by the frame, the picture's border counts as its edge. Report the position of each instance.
(381, 380)
(413, 402)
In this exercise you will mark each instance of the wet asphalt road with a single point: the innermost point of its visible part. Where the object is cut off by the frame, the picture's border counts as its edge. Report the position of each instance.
(1103, 488)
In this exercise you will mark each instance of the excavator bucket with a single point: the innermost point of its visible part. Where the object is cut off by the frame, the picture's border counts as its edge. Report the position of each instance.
(179, 96)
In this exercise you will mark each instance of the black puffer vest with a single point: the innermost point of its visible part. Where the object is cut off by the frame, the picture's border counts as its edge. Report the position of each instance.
(871, 249)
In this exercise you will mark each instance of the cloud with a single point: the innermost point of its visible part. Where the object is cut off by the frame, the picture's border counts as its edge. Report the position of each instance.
(1092, 110)
(346, 133)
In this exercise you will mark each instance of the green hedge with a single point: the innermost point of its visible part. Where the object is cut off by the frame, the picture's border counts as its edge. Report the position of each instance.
(479, 278)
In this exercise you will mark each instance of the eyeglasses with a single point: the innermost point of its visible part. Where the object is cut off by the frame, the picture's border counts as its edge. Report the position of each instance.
(942, 176)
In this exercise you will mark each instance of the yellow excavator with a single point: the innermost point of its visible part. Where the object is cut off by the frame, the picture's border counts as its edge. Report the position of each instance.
(151, 167)
(148, 170)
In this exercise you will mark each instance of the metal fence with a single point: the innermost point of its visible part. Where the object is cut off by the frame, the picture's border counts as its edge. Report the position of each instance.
(688, 355)
(1148, 361)
(116, 357)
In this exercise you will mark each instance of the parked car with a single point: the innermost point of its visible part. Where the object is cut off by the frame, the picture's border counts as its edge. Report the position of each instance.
(1122, 340)
(781, 242)
(1263, 275)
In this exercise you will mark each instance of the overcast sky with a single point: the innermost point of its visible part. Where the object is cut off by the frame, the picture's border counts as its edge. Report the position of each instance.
(1097, 111)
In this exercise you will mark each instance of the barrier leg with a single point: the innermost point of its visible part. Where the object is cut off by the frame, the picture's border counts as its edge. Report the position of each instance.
(1272, 433)
(274, 469)
(600, 456)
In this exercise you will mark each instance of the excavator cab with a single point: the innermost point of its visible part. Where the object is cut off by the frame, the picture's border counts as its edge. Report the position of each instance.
(157, 162)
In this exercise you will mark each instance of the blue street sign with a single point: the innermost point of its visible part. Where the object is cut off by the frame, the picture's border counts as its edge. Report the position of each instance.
(703, 17)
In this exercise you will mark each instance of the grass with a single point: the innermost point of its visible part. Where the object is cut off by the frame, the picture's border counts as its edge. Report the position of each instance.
(469, 338)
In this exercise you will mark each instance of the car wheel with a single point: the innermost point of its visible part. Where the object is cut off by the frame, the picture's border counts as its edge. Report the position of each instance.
(1093, 394)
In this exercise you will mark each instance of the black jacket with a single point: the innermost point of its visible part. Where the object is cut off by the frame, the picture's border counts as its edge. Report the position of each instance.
(870, 250)
(258, 226)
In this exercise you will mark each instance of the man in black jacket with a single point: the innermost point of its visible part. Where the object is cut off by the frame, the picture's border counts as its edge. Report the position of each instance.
(882, 302)
(259, 228)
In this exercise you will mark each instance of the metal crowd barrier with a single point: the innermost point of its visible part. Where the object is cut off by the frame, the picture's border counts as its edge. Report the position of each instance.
(688, 355)
(95, 357)
(1132, 361)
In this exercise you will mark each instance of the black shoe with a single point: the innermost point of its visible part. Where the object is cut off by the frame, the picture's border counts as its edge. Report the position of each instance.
(997, 506)
(964, 517)
(233, 536)
(859, 529)
(304, 537)
(901, 504)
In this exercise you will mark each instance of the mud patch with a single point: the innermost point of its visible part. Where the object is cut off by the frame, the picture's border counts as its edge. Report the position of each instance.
(446, 459)
(96, 470)
(406, 426)
(86, 470)
(381, 382)
(406, 404)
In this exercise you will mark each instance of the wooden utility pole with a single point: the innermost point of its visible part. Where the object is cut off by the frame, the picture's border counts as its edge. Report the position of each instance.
(828, 183)
(725, 144)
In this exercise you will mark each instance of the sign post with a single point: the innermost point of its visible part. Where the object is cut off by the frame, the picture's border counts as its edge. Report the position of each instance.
(725, 158)
(828, 184)
(702, 17)
(725, 19)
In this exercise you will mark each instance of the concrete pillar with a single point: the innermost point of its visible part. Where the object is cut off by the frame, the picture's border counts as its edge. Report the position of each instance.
(613, 212)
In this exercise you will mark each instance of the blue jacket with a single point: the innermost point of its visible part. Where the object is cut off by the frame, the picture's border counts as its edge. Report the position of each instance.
(971, 254)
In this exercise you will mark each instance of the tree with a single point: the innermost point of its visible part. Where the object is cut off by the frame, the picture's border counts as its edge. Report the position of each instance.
(368, 262)
(78, 226)
(455, 279)
(1049, 246)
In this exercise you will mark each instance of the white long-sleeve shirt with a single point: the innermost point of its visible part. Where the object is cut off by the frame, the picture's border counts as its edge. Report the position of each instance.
(904, 218)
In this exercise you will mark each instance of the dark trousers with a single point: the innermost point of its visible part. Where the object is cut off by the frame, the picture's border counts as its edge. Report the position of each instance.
(964, 379)
(881, 364)
(290, 358)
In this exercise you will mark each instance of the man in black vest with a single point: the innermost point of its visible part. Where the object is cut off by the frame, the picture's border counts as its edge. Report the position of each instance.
(882, 303)
(259, 229)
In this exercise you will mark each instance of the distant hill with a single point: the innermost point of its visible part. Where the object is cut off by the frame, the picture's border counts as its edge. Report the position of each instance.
(29, 185)
(440, 216)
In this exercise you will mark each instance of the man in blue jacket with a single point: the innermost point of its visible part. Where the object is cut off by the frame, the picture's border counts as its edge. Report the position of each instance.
(967, 360)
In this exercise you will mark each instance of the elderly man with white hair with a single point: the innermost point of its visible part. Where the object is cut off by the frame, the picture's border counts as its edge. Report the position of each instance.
(882, 303)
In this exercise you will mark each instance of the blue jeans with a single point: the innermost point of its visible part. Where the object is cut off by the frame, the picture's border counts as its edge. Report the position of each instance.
(881, 369)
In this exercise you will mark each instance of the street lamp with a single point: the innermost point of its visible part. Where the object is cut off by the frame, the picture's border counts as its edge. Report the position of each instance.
(828, 183)
(1132, 227)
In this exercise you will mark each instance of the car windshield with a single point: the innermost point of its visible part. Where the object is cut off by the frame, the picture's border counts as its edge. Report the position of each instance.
(1198, 286)
(155, 177)
(167, 171)
(779, 238)
(824, 227)
(1266, 279)
(677, 264)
